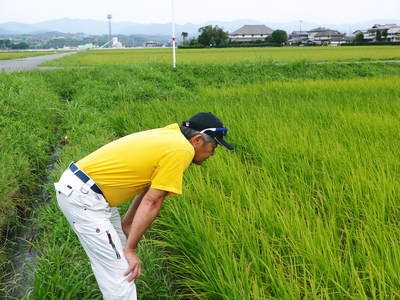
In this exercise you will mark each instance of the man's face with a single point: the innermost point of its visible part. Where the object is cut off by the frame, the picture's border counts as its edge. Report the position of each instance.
(203, 151)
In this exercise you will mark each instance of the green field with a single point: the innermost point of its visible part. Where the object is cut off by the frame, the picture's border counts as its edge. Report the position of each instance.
(279, 54)
(23, 54)
(306, 207)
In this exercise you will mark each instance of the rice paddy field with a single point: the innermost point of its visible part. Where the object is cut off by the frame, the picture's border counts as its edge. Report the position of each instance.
(229, 55)
(23, 54)
(306, 207)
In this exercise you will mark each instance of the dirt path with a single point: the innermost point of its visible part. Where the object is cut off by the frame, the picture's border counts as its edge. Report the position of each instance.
(30, 63)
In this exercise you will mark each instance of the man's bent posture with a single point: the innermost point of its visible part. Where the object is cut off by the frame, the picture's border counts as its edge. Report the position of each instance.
(148, 165)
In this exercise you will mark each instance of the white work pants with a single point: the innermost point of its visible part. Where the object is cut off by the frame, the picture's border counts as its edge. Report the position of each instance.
(98, 227)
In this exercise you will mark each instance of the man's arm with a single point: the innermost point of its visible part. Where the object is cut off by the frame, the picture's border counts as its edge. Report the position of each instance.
(146, 212)
(128, 217)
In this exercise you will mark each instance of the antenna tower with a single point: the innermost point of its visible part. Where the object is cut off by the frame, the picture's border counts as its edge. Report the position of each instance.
(109, 17)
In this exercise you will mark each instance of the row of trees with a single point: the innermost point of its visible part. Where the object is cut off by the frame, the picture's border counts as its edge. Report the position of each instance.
(214, 36)
(7, 44)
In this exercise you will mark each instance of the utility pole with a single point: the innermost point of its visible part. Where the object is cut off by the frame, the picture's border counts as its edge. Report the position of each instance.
(300, 25)
(173, 36)
(109, 17)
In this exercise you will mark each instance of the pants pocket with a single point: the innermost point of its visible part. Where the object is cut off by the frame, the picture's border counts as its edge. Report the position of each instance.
(99, 238)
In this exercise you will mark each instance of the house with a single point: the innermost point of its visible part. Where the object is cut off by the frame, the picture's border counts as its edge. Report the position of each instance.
(319, 36)
(382, 28)
(331, 37)
(250, 33)
(370, 35)
(321, 33)
(152, 44)
(298, 37)
(394, 34)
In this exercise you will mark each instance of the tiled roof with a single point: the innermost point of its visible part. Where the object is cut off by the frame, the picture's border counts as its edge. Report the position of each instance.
(394, 30)
(321, 29)
(326, 33)
(383, 26)
(299, 33)
(253, 29)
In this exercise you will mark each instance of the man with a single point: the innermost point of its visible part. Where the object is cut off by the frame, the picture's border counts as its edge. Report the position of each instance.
(148, 165)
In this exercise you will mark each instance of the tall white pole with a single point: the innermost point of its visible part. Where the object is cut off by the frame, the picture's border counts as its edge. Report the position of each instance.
(109, 16)
(173, 35)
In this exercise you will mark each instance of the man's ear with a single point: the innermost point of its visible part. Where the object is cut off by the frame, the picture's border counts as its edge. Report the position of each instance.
(196, 140)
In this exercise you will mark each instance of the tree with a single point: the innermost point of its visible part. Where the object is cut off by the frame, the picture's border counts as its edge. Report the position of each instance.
(385, 34)
(184, 37)
(21, 45)
(269, 39)
(378, 35)
(5, 44)
(279, 36)
(193, 42)
(212, 36)
(359, 38)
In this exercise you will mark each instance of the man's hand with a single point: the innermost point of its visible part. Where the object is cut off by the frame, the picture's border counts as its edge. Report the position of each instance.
(145, 214)
(135, 264)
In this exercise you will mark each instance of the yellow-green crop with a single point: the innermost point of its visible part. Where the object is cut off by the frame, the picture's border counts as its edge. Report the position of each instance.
(306, 206)
(276, 54)
(23, 54)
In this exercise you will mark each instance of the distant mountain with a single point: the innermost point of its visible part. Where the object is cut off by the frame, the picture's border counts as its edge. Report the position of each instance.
(96, 27)
(3, 31)
(14, 27)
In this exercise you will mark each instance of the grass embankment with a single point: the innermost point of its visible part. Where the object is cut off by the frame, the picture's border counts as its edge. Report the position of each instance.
(251, 55)
(306, 207)
(23, 54)
(28, 115)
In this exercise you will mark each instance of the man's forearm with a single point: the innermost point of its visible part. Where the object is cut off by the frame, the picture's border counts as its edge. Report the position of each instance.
(129, 215)
(144, 216)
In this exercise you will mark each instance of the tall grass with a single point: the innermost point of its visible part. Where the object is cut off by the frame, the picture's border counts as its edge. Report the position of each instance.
(28, 117)
(63, 270)
(308, 204)
(306, 207)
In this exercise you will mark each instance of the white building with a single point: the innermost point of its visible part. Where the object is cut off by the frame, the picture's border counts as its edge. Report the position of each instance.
(297, 37)
(86, 46)
(333, 38)
(394, 34)
(319, 36)
(368, 36)
(152, 44)
(250, 33)
(371, 33)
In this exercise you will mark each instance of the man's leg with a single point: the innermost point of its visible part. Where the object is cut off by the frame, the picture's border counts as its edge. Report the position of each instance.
(116, 221)
(104, 249)
(90, 217)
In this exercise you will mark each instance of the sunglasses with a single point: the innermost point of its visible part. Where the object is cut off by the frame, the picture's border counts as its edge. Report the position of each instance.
(224, 131)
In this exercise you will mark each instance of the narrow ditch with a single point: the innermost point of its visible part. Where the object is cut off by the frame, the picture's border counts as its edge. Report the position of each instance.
(22, 255)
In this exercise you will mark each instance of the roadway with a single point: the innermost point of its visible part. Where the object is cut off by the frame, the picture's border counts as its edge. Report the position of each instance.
(29, 63)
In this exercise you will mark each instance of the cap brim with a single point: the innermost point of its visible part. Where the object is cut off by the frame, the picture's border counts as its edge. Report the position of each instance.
(223, 143)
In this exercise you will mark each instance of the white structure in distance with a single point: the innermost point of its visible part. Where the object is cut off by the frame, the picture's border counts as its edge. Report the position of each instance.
(116, 44)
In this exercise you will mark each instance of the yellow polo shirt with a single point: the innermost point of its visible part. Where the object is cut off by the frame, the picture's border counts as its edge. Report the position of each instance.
(154, 158)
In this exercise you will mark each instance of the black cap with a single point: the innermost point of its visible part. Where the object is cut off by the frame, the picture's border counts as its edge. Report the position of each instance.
(206, 120)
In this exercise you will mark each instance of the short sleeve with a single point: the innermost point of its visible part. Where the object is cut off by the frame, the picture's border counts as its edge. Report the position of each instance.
(168, 175)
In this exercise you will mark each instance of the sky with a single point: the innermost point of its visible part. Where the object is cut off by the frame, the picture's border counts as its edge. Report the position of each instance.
(199, 11)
